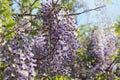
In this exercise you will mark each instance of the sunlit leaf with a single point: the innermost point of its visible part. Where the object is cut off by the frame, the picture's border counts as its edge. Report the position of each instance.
(70, 5)
(11, 24)
(112, 57)
(35, 6)
(108, 1)
(2, 11)
(9, 36)
(79, 50)
(25, 1)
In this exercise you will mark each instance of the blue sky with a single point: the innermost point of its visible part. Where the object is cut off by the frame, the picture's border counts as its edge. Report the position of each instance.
(106, 15)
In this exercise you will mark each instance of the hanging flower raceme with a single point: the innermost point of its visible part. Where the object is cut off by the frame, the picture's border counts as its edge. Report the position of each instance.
(57, 45)
(102, 48)
(17, 54)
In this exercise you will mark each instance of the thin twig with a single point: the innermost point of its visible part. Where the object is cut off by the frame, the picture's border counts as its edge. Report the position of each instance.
(19, 27)
(109, 67)
(32, 15)
(63, 15)
(85, 11)
(34, 2)
(32, 5)
(17, 2)
(54, 5)
(26, 15)
(15, 29)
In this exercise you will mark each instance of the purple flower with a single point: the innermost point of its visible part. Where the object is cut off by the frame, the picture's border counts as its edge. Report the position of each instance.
(102, 48)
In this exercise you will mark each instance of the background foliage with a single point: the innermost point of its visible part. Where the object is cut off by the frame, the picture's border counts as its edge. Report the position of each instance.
(11, 15)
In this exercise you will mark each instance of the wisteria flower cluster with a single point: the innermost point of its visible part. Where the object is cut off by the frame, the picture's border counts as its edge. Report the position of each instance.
(54, 50)
(102, 48)
(58, 42)
(19, 59)
(17, 54)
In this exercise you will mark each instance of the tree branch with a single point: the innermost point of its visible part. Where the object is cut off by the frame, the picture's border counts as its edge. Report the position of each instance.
(34, 15)
(63, 15)
(85, 11)
(54, 5)
(17, 2)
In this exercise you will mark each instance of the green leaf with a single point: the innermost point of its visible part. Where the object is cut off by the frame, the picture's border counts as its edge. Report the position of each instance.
(11, 24)
(35, 6)
(26, 31)
(25, 1)
(9, 36)
(112, 57)
(2, 11)
(33, 32)
(61, 78)
(33, 23)
(70, 4)
(108, 1)
(80, 51)
(56, 78)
